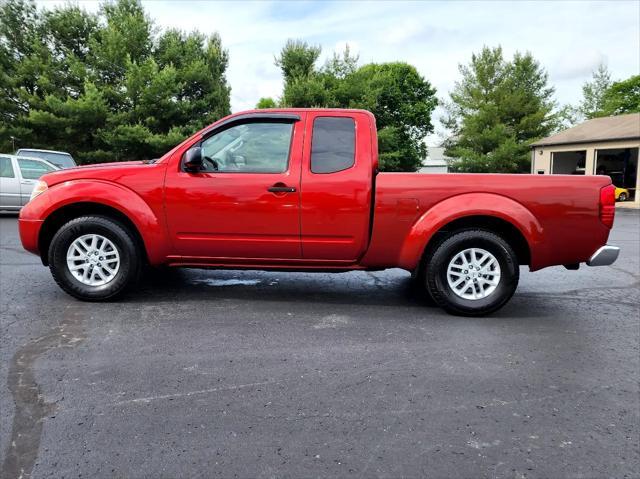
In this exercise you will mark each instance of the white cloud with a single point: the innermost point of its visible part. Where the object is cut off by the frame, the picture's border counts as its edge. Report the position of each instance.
(578, 64)
(404, 31)
(568, 38)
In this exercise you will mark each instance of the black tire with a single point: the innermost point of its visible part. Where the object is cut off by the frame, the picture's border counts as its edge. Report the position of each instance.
(622, 197)
(437, 265)
(124, 241)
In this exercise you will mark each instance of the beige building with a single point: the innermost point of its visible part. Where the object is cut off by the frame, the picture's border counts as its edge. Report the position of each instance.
(602, 146)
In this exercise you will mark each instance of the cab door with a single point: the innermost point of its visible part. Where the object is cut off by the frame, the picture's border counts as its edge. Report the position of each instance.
(245, 203)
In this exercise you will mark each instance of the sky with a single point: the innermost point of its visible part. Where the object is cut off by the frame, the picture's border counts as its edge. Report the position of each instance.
(569, 38)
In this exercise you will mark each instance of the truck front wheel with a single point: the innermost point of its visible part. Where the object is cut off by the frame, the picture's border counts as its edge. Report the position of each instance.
(94, 258)
(472, 273)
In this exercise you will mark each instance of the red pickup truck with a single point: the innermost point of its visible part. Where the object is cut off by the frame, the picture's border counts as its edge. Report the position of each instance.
(299, 190)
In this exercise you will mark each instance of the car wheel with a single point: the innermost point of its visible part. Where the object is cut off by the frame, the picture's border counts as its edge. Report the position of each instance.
(94, 258)
(622, 197)
(472, 273)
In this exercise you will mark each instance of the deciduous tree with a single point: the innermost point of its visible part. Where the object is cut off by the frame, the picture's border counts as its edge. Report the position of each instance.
(622, 97)
(402, 100)
(266, 102)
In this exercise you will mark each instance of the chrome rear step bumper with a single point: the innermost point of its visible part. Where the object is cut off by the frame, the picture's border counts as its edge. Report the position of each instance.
(604, 256)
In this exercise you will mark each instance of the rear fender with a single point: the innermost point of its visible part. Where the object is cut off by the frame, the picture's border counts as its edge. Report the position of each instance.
(116, 196)
(471, 204)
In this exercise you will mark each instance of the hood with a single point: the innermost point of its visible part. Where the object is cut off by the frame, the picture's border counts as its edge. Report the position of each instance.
(113, 164)
(100, 171)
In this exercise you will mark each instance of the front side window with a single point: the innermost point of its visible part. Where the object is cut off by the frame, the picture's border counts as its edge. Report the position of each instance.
(333, 144)
(249, 148)
(6, 170)
(33, 169)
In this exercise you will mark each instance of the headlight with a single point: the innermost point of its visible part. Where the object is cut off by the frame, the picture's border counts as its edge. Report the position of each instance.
(40, 187)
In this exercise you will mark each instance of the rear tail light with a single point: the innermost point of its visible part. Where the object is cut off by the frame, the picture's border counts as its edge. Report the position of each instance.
(607, 205)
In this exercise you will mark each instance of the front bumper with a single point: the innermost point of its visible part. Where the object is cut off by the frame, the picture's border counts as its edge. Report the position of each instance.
(604, 256)
(29, 233)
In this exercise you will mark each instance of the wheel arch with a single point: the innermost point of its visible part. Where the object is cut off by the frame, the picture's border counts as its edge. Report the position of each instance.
(76, 198)
(68, 212)
(491, 212)
(502, 228)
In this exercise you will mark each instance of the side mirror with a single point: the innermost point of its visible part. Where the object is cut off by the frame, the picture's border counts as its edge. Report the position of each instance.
(192, 159)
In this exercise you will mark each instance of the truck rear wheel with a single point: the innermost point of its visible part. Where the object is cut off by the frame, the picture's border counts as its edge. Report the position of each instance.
(94, 258)
(472, 273)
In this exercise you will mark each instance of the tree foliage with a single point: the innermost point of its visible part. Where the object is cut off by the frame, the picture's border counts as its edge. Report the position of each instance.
(622, 97)
(104, 86)
(497, 110)
(400, 98)
(297, 59)
(265, 103)
(593, 93)
(603, 97)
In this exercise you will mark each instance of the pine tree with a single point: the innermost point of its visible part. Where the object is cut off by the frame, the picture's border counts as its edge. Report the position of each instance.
(105, 86)
(496, 111)
(593, 93)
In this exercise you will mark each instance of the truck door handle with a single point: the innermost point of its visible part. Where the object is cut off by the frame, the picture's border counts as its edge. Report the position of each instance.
(281, 189)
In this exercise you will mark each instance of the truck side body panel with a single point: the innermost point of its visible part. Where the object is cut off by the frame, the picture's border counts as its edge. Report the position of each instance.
(558, 215)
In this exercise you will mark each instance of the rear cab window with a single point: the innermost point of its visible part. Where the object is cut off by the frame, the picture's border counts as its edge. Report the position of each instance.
(333, 144)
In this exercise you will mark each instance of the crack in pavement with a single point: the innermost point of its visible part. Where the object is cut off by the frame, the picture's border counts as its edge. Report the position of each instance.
(149, 399)
(30, 406)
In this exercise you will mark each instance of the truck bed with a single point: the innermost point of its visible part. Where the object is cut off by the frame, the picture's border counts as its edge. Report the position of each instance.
(554, 211)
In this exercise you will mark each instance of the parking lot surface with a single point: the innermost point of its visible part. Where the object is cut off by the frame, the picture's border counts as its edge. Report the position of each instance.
(255, 374)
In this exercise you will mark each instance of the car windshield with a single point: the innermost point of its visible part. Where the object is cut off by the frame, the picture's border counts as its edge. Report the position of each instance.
(61, 160)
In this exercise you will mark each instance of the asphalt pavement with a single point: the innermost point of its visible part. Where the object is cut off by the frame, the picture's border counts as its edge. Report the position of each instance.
(248, 374)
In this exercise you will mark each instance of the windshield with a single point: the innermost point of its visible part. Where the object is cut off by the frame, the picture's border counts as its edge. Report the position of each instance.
(61, 160)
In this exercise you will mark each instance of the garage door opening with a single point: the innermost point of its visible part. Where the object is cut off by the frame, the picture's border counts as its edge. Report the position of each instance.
(568, 162)
(621, 164)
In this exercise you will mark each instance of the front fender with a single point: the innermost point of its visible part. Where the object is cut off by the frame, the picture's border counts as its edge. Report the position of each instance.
(470, 204)
(106, 193)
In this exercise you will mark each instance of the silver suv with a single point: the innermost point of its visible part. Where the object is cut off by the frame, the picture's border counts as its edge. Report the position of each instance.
(18, 176)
